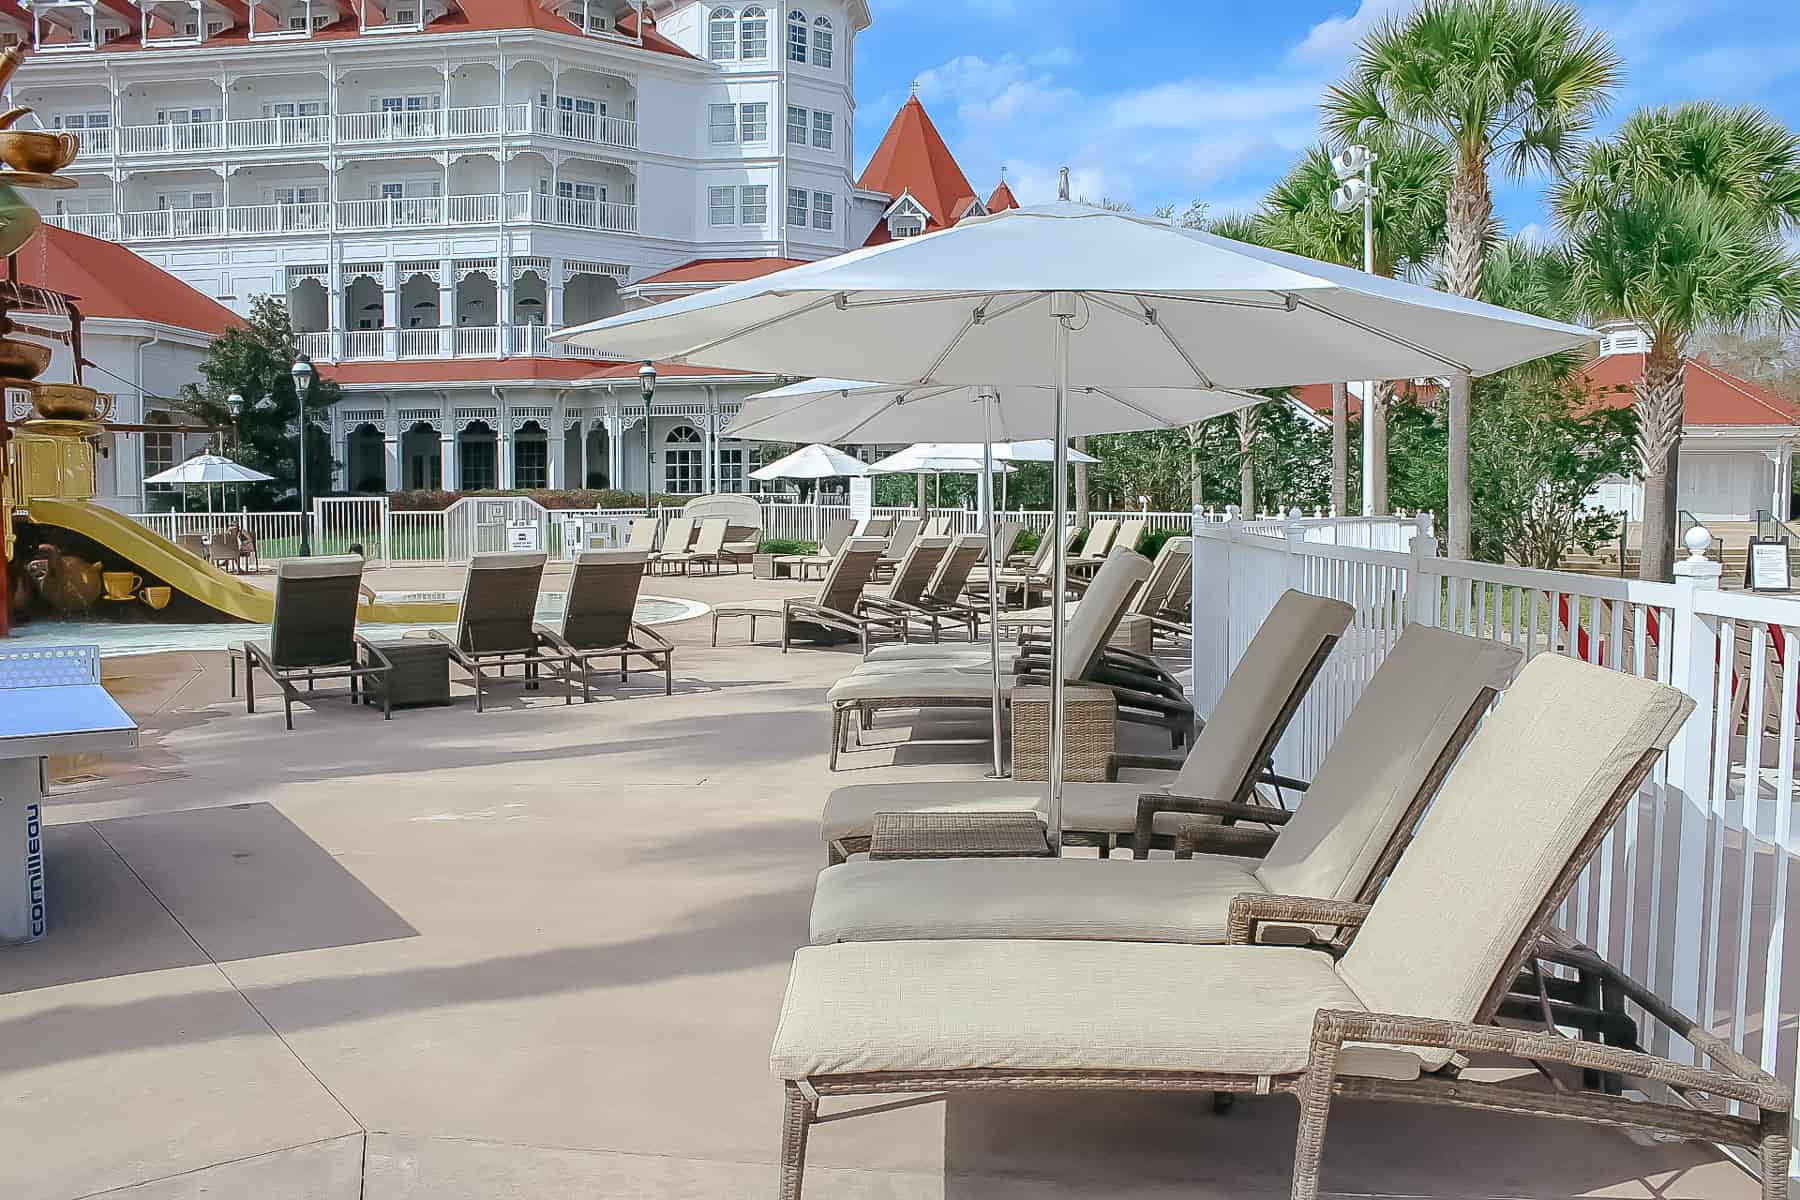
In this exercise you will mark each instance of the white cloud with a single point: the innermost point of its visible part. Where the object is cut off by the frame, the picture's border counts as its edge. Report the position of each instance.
(1205, 104)
(1334, 38)
(993, 91)
(1532, 234)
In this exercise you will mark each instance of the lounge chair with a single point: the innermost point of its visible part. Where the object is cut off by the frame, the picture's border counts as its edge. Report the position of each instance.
(599, 619)
(964, 683)
(494, 628)
(941, 602)
(313, 635)
(940, 527)
(1230, 752)
(912, 576)
(1172, 563)
(835, 606)
(1097, 546)
(1423, 971)
(1026, 576)
(880, 527)
(900, 540)
(1411, 721)
(675, 540)
(830, 542)
(643, 536)
(708, 549)
(1176, 616)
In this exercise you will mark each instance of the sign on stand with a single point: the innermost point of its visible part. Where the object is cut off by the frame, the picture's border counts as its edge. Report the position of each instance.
(523, 535)
(862, 499)
(1769, 564)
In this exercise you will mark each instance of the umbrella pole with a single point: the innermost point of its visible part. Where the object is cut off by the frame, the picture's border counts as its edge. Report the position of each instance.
(993, 570)
(1062, 311)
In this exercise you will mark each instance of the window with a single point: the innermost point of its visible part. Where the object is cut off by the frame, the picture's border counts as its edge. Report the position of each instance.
(731, 471)
(721, 35)
(796, 38)
(753, 205)
(159, 456)
(321, 20)
(796, 210)
(682, 462)
(755, 32)
(823, 129)
(577, 116)
(294, 195)
(297, 24)
(905, 225)
(721, 123)
(822, 42)
(215, 28)
(476, 453)
(753, 122)
(531, 461)
(796, 127)
(389, 191)
(824, 208)
(190, 28)
(721, 206)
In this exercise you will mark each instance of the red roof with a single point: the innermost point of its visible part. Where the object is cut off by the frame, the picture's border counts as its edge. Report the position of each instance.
(107, 280)
(705, 271)
(1002, 199)
(913, 158)
(479, 16)
(1317, 396)
(1712, 396)
(496, 370)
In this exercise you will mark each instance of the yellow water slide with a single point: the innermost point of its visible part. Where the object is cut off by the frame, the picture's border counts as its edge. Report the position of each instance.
(195, 577)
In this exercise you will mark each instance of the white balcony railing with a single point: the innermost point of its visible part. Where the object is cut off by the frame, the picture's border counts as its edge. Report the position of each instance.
(584, 214)
(351, 216)
(467, 341)
(421, 343)
(278, 218)
(391, 213)
(476, 341)
(100, 225)
(314, 345)
(166, 224)
(361, 128)
(365, 344)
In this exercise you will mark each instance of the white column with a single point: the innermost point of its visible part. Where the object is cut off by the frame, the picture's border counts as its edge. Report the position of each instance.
(503, 453)
(447, 455)
(553, 295)
(557, 436)
(390, 307)
(391, 443)
(581, 451)
(447, 305)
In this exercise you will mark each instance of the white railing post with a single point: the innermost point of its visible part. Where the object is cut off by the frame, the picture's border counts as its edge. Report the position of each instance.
(1422, 591)
(1695, 648)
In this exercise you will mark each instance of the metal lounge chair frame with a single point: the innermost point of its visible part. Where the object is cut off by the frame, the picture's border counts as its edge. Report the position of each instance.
(941, 600)
(675, 538)
(494, 623)
(313, 635)
(708, 548)
(838, 604)
(599, 620)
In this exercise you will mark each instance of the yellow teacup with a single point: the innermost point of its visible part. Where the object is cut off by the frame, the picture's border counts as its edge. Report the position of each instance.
(120, 585)
(157, 597)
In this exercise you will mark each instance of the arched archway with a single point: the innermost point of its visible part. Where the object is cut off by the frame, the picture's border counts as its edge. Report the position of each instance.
(531, 456)
(421, 458)
(362, 304)
(475, 298)
(477, 458)
(419, 303)
(589, 297)
(365, 459)
(597, 457)
(308, 307)
(530, 300)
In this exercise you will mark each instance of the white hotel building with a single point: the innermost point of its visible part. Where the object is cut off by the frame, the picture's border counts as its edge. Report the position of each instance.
(432, 184)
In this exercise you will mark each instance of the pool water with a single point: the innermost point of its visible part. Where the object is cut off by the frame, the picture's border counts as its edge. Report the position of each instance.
(149, 638)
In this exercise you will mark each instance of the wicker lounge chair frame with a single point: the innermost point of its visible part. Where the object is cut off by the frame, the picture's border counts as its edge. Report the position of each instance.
(599, 622)
(1730, 1077)
(494, 626)
(839, 603)
(313, 635)
(912, 575)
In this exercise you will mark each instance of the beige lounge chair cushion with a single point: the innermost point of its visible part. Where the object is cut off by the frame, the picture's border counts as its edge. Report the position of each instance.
(1380, 759)
(1225, 751)
(759, 608)
(1063, 1006)
(914, 654)
(1542, 766)
(1093, 807)
(944, 683)
(1089, 899)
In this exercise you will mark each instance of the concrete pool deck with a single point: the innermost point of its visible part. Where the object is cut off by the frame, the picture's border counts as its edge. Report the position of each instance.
(539, 952)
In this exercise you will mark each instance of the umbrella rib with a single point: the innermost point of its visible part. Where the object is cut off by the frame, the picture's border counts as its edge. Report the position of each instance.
(759, 326)
(1149, 318)
(975, 318)
(1379, 332)
(845, 304)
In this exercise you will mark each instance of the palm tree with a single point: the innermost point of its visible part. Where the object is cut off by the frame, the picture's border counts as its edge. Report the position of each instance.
(1517, 80)
(1408, 227)
(1677, 223)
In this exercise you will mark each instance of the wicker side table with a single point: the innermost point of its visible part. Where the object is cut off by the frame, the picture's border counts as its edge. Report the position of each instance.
(1090, 731)
(420, 675)
(1017, 834)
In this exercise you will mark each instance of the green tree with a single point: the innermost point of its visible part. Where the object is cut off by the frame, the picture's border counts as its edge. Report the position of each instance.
(1518, 81)
(1407, 227)
(1677, 223)
(254, 359)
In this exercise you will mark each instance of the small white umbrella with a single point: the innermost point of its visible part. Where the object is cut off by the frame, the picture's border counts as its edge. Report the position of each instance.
(1071, 297)
(813, 462)
(209, 469)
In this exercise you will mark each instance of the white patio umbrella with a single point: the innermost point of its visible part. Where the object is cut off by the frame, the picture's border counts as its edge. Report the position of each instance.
(208, 469)
(813, 462)
(1071, 297)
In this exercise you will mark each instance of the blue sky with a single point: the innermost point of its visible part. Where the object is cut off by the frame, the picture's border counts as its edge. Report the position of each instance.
(1165, 102)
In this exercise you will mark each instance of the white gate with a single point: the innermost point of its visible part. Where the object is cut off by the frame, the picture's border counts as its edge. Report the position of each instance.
(340, 522)
(478, 524)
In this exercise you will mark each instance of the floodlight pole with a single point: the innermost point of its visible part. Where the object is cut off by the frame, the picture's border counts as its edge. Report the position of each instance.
(1062, 311)
(647, 387)
(303, 377)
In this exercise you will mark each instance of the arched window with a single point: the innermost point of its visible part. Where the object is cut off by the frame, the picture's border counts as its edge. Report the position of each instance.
(754, 29)
(681, 461)
(796, 39)
(822, 42)
(721, 44)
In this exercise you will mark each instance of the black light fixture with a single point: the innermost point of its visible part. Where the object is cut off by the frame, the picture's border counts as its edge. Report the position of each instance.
(647, 386)
(303, 377)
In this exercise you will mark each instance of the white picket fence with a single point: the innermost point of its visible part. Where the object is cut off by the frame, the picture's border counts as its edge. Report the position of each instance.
(1689, 893)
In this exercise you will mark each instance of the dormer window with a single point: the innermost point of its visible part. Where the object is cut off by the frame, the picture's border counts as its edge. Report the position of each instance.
(905, 225)
(215, 28)
(111, 33)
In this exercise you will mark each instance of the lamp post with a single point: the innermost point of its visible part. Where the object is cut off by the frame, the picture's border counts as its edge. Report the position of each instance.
(647, 385)
(303, 377)
(1355, 169)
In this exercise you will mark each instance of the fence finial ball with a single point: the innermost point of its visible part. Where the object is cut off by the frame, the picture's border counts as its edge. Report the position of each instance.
(1697, 539)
